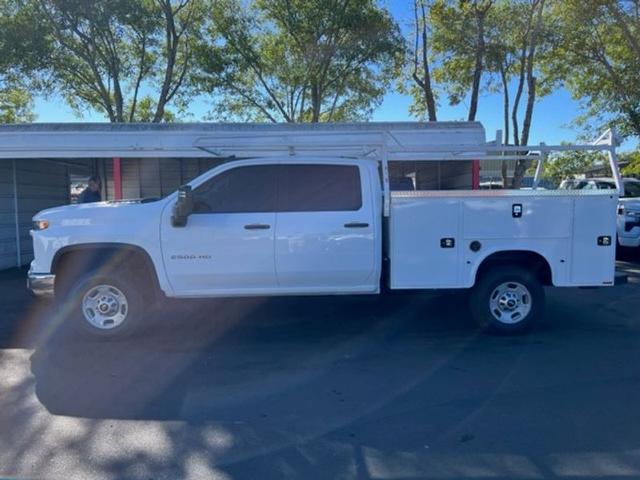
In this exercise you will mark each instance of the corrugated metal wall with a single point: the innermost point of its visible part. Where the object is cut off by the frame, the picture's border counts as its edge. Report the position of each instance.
(39, 184)
(7, 216)
(153, 177)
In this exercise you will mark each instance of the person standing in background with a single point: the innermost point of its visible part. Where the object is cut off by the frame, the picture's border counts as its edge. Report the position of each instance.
(92, 192)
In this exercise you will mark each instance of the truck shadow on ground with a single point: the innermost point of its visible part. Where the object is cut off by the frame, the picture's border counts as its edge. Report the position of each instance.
(294, 381)
(200, 357)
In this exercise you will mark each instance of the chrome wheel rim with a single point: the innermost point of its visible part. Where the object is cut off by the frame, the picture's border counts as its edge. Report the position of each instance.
(510, 302)
(105, 307)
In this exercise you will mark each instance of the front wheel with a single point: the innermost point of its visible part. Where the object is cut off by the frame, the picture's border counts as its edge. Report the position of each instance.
(106, 307)
(507, 300)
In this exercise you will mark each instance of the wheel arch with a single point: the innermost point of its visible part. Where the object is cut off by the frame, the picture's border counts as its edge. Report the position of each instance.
(531, 260)
(105, 257)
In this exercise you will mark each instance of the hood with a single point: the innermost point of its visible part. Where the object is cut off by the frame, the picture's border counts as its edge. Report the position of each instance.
(83, 213)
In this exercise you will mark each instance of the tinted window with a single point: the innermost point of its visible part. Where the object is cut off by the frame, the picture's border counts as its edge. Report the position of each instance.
(242, 189)
(319, 188)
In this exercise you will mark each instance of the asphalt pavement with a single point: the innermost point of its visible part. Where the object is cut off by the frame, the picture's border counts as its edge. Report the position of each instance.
(401, 387)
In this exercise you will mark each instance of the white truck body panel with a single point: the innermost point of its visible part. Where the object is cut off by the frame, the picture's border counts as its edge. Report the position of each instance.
(99, 224)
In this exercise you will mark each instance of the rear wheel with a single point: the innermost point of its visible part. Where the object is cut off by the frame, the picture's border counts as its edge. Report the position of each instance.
(507, 300)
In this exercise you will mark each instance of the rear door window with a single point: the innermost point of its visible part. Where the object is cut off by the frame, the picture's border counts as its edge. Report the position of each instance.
(319, 188)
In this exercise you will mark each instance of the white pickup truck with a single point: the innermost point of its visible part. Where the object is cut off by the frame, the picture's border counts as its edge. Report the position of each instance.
(295, 225)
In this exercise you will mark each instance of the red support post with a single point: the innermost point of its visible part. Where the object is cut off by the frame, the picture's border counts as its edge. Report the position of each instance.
(475, 174)
(117, 179)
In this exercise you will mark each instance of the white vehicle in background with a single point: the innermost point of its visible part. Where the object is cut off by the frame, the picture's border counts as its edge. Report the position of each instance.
(628, 220)
(315, 214)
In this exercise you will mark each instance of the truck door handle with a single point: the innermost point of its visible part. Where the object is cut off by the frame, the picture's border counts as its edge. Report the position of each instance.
(257, 226)
(356, 225)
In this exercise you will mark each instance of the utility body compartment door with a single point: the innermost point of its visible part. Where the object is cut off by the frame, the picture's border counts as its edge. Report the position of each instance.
(594, 222)
(425, 242)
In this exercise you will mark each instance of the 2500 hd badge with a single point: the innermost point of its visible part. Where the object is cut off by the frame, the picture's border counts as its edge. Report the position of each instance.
(190, 257)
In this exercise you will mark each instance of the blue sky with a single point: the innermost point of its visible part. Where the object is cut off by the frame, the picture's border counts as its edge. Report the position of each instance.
(551, 123)
(552, 120)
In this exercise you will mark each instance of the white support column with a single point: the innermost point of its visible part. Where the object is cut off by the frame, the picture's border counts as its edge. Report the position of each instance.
(541, 160)
(385, 178)
(16, 215)
(613, 162)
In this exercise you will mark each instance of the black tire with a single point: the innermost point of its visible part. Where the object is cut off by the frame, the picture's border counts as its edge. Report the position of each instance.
(514, 318)
(132, 308)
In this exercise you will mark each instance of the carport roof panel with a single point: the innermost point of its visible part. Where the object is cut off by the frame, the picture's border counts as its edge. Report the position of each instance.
(137, 140)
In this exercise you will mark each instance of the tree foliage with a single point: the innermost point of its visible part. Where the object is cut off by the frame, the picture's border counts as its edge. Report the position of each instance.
(570, 164)
(22, 51)
(459, 33)
(485, 45)
(632, 161)
(598, 58)
(16, 106)
(106, 53)
(422, 88)
(299, 60)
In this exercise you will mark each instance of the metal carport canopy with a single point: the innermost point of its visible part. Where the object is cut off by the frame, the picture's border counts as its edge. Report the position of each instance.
(91, 140)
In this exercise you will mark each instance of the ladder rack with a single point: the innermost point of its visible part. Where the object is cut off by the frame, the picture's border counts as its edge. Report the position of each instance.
(383, 142)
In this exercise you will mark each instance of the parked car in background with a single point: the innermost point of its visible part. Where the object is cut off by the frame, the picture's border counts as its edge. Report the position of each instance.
(628, 220)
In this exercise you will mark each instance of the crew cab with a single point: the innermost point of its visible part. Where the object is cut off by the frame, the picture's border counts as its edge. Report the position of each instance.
(304, 225)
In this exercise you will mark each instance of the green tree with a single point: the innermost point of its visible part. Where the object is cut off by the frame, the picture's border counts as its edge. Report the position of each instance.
(16, 106)
(598, 58)
(568, 165)
(23, 49)
(632, 160)
(422, 88)
(459, 33)
(484, 45)
(107, 54)
(299, 60)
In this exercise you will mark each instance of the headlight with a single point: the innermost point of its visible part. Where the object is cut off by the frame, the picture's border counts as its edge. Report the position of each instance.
(40, 224)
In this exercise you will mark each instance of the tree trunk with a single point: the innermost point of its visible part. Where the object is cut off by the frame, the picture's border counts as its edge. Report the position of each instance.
(316, 102)
(425, 82)
(516, 101)
(505, 113)
(478, 67)
(172, 39)
(522, 165)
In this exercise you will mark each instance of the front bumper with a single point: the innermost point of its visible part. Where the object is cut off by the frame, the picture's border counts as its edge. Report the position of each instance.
(41, 284)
